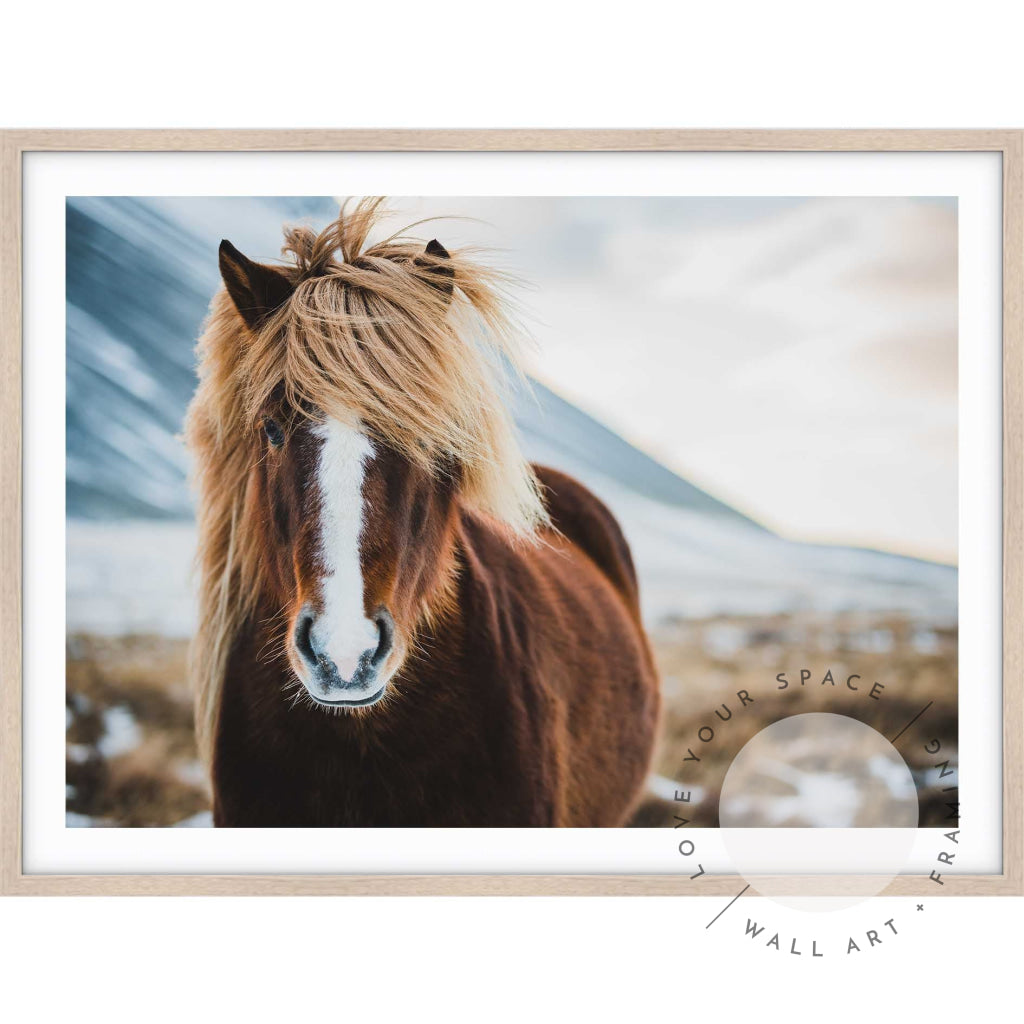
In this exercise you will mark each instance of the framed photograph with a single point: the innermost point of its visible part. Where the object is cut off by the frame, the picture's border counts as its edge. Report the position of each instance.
(512, 512)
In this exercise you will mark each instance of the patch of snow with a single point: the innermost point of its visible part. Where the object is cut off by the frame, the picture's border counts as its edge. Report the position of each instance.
(78, 753)
(122, 732)
(665, 789)
(820, 799)
(204, 819)
(74, 820)
(932, 776)
(192, 773)
(81, 703)
(130, 577)
(897, 779)
(724, 639)
(875, 641)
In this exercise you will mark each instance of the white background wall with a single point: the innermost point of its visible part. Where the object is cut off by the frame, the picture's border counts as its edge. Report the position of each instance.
(467, 64)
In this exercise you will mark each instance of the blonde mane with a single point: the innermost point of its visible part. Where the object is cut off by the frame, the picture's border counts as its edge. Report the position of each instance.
(366, 335)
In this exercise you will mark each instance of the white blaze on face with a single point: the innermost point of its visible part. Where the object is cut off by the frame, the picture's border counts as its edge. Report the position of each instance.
(341, 630)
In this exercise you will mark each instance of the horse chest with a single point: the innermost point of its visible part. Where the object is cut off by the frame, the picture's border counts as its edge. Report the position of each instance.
(471, 772)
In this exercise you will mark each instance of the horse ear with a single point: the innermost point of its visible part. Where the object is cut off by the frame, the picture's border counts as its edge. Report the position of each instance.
(255, 289)
(442, 273)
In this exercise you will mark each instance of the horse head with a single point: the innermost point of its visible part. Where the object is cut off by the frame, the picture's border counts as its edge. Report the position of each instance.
(355, 537)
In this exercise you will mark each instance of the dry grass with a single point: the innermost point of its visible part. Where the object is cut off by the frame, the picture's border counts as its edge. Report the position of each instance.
(704, 664)
(131, 752)
(132, 758)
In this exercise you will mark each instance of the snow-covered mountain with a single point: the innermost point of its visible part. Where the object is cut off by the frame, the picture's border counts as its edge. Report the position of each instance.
(140, 272)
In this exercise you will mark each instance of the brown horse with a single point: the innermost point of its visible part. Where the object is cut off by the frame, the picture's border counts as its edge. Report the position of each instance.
(402, 623)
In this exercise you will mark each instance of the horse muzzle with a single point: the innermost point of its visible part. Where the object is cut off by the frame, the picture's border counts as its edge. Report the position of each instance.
(338, 671)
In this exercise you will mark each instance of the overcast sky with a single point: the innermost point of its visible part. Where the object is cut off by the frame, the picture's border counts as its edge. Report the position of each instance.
(795, 357)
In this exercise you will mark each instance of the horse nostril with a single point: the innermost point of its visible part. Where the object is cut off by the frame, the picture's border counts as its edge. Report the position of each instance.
(386, 629)
(304, 638)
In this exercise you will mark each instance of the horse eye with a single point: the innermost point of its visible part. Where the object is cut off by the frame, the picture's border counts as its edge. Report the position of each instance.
(275, 435)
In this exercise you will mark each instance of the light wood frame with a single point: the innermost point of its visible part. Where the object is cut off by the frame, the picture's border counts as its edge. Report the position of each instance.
(14, 144)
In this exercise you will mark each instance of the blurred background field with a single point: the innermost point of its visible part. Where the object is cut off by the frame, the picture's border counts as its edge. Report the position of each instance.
(706, 663)
(132, 757)
(780, 448)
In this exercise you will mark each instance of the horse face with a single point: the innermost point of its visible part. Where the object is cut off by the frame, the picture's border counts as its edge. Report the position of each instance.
(360, 535)
(357, 531)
